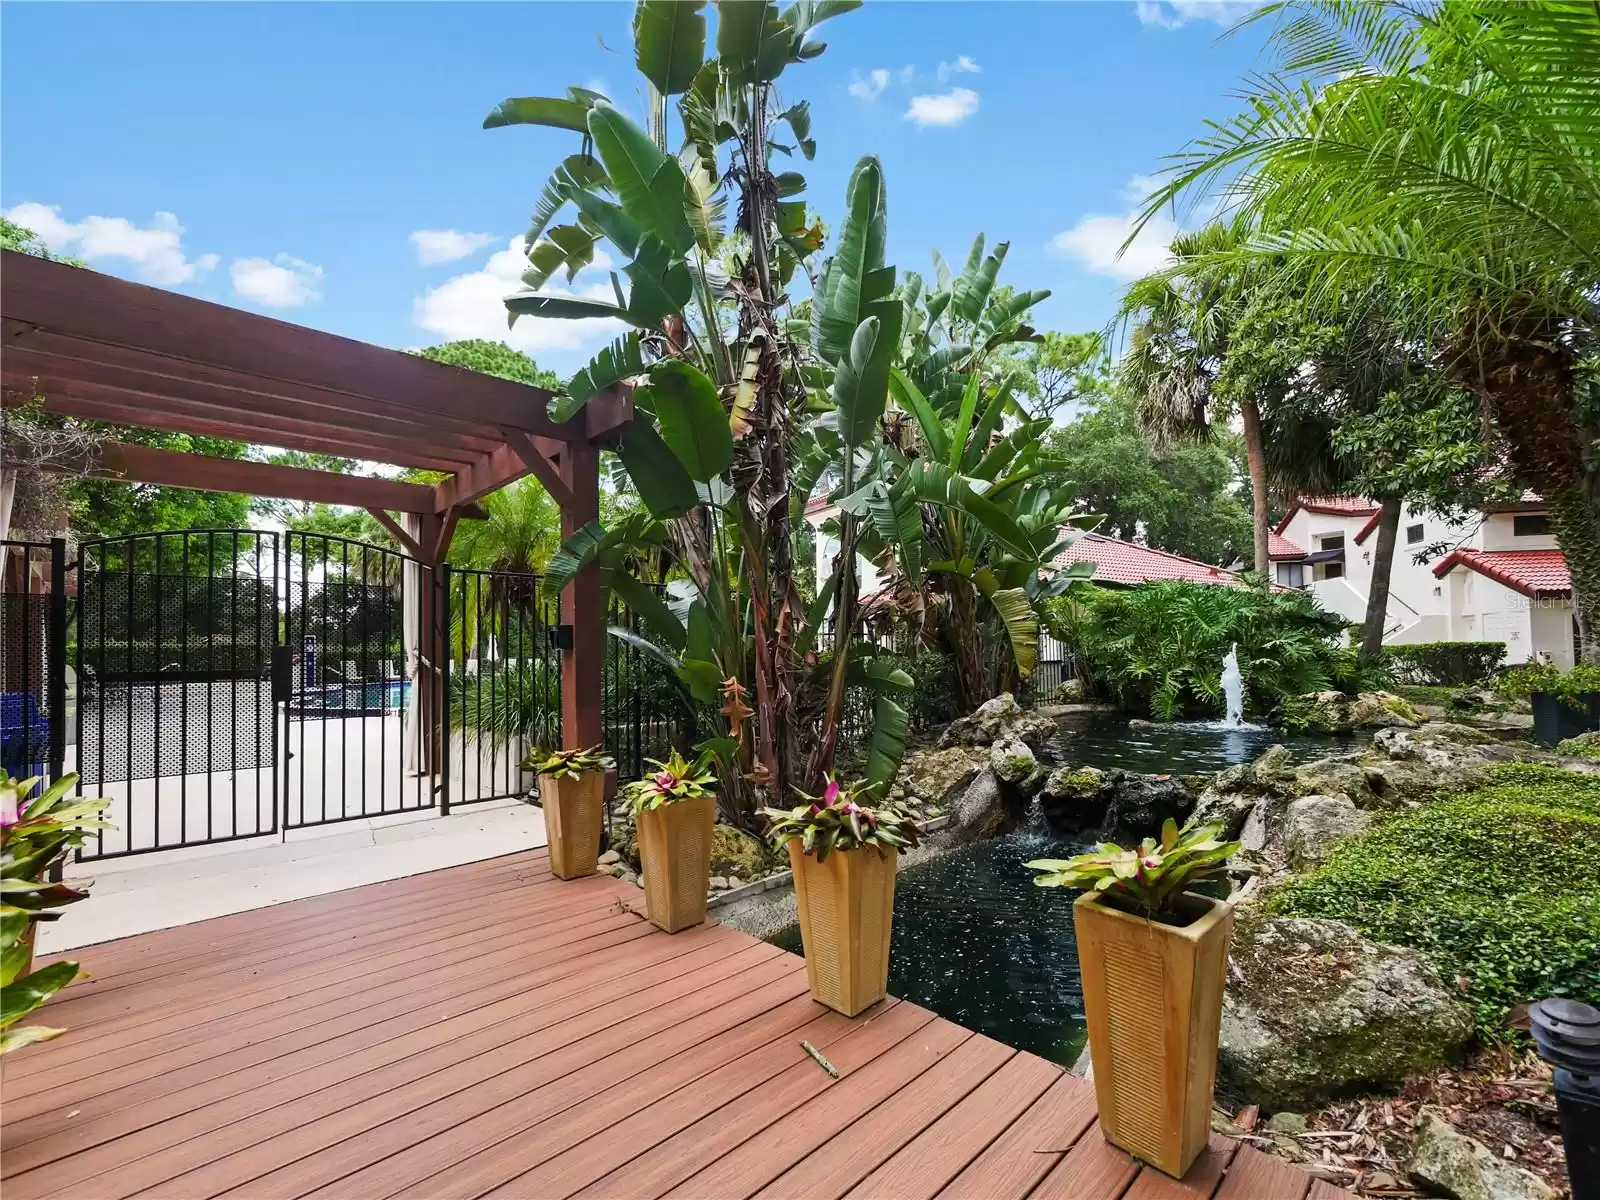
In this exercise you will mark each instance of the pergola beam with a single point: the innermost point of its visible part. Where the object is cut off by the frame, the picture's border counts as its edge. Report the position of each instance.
(120, 407)
(172, 468)
(51, 357)
(87, 306)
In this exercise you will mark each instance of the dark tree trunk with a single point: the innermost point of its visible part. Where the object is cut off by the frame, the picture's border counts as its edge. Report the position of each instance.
(1524, 376)
(1382, 572)
(1255, 456)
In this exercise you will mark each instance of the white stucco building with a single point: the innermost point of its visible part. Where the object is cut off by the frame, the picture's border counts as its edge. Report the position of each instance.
(1504, 578)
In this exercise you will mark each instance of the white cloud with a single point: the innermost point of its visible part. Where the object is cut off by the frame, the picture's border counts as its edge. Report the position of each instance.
(907, 73)
(1175, 14)
(870, 86)
(282, 282)
(963, 65)
(948, 108)
(155, 250)
(473, 306)
(447, 245)
(1095, 241)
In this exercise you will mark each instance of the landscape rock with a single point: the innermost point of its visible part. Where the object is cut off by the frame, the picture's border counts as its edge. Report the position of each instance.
(609, 857)
(1259, 826)
(1291, 1123)
(1000, 719)
(1585, 745)
(1312, 825)
(984, 810)
(1011, 760)
(1138, 805)
(1314, 1010)
(931, 778)
(1342, 775)
(1383, 710)
(735, 852)
(1337, 713)
(1448, 1162)
(718, 883)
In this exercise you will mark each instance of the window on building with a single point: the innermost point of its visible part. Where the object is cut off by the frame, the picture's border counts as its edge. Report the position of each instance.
(1530, 525)
(1413, 534)
(1332, 541)
(1332, 570)
(1289, 574)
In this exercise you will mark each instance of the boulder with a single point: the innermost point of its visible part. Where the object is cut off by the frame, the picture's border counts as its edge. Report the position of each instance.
(1000, 719)
(934, 778)
(1138, 805)
(1316, 712)
(1448, 1162)
(1312, 825)
(1314, 1010)
(1011, 760)
(1383, 710)
(1585, 745)
(982, 811)
(1235, 791)
(1074, 799)
(1341, 775)
(735, 852)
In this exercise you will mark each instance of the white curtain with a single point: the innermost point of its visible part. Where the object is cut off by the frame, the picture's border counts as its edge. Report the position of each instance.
(411, 584)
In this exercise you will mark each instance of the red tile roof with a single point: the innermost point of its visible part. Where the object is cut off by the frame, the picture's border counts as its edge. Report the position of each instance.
(817, 504)
(1279, 546)
(1116, 561)
(1532, 572)
(1329, 506)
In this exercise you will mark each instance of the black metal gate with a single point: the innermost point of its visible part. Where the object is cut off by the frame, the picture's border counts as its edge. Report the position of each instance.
(175, 724)
(241, 683)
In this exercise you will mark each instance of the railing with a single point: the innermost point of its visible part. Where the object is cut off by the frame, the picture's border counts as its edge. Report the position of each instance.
(33, 658)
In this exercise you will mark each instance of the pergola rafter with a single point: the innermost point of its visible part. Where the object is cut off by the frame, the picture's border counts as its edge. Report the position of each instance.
(93, 346)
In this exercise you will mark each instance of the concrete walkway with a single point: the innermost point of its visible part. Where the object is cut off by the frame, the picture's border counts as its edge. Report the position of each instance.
(176, 887)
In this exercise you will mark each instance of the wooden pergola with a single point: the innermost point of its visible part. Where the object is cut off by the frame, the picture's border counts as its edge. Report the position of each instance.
(94, 346)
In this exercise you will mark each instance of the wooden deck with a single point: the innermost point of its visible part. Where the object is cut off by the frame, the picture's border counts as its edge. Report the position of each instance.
(491, 1030)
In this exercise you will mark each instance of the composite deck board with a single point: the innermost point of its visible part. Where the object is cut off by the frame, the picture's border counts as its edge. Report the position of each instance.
(490, 1030)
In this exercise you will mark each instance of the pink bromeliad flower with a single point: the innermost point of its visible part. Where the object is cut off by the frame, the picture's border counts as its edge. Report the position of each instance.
(666, 781)
(830, 795)
(10, 806)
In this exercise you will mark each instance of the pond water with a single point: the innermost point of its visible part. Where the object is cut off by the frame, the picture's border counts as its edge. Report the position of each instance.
(1106, 740)
(977, 943)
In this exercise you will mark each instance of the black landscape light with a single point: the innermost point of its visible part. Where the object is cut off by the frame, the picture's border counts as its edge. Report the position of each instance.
(1568, 1036)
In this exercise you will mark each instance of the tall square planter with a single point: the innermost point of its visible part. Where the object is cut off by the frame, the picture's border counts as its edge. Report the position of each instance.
(1556, 719)
(1152, 995)
(846, 907)
(675, 853)
(572, 819)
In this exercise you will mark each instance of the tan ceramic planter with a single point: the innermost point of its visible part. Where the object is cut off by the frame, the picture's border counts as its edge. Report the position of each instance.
(675, 852)
(846, 918)
(572, 819)
(1152, 994)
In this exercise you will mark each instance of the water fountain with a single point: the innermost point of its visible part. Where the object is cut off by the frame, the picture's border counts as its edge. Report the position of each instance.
(1233, 688)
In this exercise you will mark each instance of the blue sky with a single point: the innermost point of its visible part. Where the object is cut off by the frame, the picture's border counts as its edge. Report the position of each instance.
(281, 157)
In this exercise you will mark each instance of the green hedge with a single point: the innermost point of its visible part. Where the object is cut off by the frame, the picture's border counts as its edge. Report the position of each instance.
(1500, 887)
(1445, 664)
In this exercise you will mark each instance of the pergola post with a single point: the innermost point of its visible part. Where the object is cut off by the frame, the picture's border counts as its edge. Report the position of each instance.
(580, 609)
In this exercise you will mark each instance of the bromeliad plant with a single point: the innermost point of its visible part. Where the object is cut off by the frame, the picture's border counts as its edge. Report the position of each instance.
(35, 836)
(674, 780)
(838, 820)
(568, 764)
(1149, 880)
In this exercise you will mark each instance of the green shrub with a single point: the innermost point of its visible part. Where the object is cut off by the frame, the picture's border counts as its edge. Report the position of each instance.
(1448, 664)
(1500, 887)
(1573, 686)
(1159, 647)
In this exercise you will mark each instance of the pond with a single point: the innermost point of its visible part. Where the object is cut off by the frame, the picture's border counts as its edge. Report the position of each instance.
(976, 942)
(1106, 740)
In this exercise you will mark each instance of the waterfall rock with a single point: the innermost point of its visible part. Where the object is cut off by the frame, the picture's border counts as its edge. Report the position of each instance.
(935, 778)
(986, 809)
(1312, 825)
(1337, 713)
(1117, 806)
(1012, 761)
(1314, 1010)
(1000, 719)
(1447, 1161)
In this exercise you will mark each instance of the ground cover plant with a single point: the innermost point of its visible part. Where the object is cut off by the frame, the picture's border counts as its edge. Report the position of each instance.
(1499, 886)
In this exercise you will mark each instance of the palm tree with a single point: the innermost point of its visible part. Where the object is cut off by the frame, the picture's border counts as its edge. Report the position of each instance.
(1182, 321)
(1451, 151)
(520, 533)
